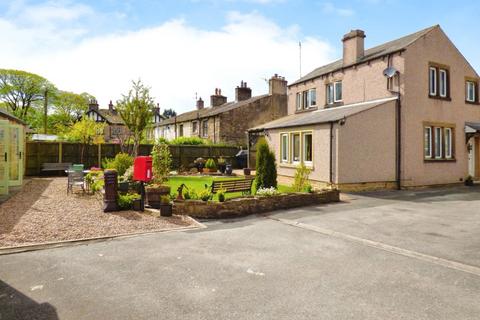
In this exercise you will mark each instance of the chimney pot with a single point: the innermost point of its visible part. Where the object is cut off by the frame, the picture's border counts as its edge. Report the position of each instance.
(277, 85)
(243, 92)
(353, 46)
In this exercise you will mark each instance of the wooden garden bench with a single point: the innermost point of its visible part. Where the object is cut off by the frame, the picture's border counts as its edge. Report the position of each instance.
(56, 166)
(233, 185)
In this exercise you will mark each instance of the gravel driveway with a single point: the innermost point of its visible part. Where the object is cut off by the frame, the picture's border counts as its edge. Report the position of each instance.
(43, 212)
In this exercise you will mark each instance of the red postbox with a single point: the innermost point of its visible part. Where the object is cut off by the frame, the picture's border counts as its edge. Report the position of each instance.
(142, 169)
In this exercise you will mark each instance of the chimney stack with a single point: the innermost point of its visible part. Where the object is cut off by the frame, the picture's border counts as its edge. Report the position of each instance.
(243, 92)
(200, 104)
(277, 85)
(353, 47)
(217, 99)
(157, 108)
(93, 105)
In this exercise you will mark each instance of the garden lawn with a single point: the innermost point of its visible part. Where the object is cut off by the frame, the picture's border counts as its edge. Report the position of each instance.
(198, 184)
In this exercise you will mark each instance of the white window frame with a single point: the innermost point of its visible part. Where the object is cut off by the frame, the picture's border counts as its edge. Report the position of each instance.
(284, 150)
(330, 93)
(335, 91)
(432, 90)
(303, 156)
(448, 143)
(428, 142)
(443, 81)
(293, 147)
(298, 100)
(467, 94)
(312, 94)
(438, 134)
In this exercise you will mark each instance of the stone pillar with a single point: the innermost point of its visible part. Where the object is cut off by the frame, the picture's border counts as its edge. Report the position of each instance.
(111, 191)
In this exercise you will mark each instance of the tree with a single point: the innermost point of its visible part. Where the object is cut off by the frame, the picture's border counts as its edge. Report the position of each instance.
(20, 89)
(169, 113)
(266, 168)
(86, 131)
(68, 107)
(136, 111)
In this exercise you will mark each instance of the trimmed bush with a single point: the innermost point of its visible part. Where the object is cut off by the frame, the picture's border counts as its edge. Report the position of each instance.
(125, 201)
(189, 141)
(266, 168)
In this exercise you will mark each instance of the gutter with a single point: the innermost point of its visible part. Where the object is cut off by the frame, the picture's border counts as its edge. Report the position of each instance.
(331, 153)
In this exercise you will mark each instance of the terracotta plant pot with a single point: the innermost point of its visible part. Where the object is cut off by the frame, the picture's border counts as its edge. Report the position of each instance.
(154, 194)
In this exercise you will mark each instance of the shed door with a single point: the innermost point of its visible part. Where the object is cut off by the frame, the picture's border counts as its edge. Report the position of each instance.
(4, 168)
(16, 155)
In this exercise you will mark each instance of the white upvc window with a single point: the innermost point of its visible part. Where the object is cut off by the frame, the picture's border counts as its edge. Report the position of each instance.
(432, 81)
(307, 148)
(470, 94)
(284, 147)
(195, 126)
(448, 143)
(438, 143)
(296, 147)
(312, 93)
(428, 142)
(338, 91)
(298, 100)
(443, 83)
(334, 92)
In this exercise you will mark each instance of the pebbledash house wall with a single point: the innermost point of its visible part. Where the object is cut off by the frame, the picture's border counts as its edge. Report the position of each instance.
(419, 107)
(365, 147)
(361, 152)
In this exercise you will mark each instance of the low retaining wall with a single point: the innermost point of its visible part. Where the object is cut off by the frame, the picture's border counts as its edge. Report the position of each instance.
(251, 205)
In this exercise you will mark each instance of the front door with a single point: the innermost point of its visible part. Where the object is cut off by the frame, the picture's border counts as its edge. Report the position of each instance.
(471, 157)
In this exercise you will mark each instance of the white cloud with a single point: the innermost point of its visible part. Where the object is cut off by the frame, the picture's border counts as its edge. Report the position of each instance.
(174, 58)
(330, 8)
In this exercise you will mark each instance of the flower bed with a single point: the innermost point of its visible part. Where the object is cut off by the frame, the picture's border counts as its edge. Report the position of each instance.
(251, 205)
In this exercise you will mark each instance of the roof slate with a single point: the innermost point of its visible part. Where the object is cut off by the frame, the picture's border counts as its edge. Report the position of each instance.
(322, 115)
(210, 111)
(370, 54)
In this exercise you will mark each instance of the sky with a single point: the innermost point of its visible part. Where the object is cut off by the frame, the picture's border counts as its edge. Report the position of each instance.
(185, 49)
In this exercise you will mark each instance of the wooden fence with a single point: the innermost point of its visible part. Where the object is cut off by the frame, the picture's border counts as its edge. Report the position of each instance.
(38, 153)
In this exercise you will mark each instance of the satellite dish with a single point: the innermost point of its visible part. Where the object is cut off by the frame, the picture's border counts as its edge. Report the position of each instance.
(390, 72)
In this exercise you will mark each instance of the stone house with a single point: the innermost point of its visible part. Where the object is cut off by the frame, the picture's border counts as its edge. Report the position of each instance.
(226, 121)
(402, 114)
(115, 130)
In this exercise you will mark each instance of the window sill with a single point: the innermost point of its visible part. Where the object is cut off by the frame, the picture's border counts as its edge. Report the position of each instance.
(440, 98)
(472, 102)
(307, 110)
(439, 160)
(294, 165)
(335, 104)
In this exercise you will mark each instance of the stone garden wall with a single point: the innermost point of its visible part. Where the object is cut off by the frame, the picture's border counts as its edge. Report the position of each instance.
(251, 205)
